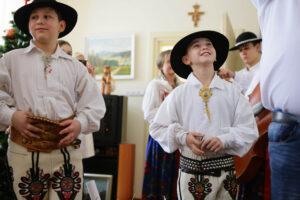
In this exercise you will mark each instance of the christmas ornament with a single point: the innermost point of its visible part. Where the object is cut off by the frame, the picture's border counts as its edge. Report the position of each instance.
(11, 34)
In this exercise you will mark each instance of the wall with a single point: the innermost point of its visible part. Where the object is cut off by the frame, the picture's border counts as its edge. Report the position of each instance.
(146, 18)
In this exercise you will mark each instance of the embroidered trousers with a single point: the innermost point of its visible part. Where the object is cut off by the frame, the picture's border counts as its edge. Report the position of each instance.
(200, 187)
(48, 176)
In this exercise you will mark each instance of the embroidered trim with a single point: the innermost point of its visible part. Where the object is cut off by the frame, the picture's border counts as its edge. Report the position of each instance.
(47, 68)
(230, 184)
(66, 185)
(199, 187)
(34, 187)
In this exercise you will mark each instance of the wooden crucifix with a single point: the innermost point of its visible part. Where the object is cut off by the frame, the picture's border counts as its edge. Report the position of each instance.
(196, 14)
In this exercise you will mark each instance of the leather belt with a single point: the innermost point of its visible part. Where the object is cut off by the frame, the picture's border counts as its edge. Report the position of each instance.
(211, 166)
(285, 118)
(49, 139)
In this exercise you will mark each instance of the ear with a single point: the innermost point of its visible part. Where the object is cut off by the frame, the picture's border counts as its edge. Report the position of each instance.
(186, 60)
(62, 26)
(258, 45)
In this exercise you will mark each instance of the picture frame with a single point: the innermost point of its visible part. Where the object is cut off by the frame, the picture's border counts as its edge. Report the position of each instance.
(103, 183)
(117, 51)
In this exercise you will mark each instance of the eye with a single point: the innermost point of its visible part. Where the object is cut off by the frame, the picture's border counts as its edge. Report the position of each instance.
(33, 17)
(47, 16)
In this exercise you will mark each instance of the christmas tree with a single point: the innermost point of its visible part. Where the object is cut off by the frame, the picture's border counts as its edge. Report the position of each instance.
(13, 39)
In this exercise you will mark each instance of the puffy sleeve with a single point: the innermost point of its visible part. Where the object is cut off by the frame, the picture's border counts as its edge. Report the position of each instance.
(152, 100)
(166, 128)
(238, 138)
(90, 103)
(7, 103)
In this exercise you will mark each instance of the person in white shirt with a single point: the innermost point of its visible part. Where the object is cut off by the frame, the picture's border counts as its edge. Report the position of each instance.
(249, 46)
(39, 86)
(207, 118)
(161, 168)
(279, 24)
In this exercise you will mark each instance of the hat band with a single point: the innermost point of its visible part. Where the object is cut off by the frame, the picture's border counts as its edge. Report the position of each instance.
(246, 41)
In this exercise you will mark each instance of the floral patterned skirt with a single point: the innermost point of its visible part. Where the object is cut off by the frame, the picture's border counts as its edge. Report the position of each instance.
(161, 171)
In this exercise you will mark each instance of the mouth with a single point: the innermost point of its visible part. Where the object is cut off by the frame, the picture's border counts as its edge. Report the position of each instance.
(41, 29)
(205, 53)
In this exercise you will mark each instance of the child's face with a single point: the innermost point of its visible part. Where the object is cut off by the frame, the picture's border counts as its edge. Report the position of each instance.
(166, 68)
(200, 51)
(44, 25)
(249, 53)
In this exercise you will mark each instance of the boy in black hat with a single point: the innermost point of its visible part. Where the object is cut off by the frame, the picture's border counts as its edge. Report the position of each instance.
(249, 46)
(207, 118)
(39, 86)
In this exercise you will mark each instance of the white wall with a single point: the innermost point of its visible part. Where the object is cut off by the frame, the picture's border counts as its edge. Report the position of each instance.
(143, 18)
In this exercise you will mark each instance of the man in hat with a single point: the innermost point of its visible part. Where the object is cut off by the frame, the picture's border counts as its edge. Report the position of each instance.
(39, 86)
(249, 46)
(279, 81)
(207, 118)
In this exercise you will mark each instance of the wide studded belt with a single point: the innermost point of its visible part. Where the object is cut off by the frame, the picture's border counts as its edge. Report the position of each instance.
(211, 166)
(49, 139)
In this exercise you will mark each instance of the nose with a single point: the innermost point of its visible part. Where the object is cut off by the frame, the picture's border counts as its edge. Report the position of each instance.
(204, 47)
(40, 20)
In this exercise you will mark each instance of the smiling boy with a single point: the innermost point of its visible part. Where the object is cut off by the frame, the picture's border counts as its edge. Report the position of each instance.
(39, 86)
(249, 47)
(207, 118)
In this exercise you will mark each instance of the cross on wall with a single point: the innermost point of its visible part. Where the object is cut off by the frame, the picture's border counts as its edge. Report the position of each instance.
(196, 14)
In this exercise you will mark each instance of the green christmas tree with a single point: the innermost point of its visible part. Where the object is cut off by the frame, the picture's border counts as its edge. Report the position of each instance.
(14, 39)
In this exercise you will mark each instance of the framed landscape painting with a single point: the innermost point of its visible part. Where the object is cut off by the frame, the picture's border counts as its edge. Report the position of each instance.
(117, 51)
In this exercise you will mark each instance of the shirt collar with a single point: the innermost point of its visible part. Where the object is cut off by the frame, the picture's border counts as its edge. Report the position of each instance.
(58, 52)
(217, 82)
(253, 68)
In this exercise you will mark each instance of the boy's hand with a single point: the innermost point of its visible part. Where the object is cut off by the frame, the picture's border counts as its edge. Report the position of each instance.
(73, 128)
(194, 141)
(213, 144)
(225, 73)
(22, 123)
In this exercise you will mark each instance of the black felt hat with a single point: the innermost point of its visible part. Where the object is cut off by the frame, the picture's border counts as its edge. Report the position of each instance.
(244, 38)
(68, 14)
(219, 41)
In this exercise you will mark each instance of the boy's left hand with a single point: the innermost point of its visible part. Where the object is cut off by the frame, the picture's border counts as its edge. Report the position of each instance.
(213, 144)
(73, 128)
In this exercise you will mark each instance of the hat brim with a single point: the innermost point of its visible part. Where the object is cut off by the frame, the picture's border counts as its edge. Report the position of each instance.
(237, 45)
(68, 14)
(219, 41)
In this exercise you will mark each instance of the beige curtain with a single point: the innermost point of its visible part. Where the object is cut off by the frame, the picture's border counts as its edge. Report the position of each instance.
(233, 62)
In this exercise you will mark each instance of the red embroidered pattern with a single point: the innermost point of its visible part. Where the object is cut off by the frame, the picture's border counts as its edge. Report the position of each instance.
(230, 184)
(66, 186)
(34, 188)
(199, 188)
